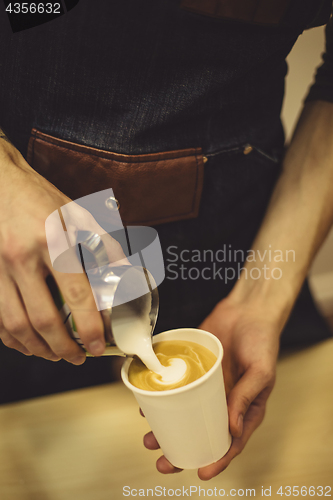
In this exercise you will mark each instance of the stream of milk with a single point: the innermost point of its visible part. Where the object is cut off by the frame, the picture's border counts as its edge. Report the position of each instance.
(132, 336)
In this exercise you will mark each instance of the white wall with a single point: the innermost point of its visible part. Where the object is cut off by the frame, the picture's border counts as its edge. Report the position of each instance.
(302, 61)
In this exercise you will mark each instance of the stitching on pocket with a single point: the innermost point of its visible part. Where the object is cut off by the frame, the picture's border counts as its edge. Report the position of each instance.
(272, 158)
(275, 158)
(119, 157)
(226, 150)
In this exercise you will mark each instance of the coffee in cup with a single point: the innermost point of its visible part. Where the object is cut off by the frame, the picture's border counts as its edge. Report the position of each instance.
(197, 361)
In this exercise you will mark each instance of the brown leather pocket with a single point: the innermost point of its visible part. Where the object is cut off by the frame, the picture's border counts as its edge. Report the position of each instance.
(151, 189)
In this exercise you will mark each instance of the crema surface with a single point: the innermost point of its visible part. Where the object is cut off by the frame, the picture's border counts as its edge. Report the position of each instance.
(199, 360)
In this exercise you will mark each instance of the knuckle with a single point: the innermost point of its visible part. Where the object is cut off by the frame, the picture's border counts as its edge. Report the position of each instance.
(77, 293)
(16, 326)
(267, 374)
(14, 252)
(245, 401)
(44, 322)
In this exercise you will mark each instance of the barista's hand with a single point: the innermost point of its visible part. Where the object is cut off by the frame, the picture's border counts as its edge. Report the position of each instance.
(250, 320)
(29, 320)
(251, 342)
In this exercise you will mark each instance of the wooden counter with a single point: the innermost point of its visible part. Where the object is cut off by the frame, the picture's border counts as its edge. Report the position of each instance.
(87, 444)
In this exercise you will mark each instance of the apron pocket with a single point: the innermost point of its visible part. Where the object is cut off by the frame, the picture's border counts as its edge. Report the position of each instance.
(151, 189)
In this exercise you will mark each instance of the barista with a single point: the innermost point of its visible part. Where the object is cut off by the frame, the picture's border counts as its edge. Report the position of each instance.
(150, 85)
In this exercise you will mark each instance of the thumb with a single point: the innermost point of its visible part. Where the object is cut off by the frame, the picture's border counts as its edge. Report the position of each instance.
(241, 396)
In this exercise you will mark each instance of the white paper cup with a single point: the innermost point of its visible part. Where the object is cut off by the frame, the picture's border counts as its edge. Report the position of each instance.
(190, 423)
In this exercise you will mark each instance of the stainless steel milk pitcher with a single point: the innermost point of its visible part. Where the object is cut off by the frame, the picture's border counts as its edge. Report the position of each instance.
(125, 295)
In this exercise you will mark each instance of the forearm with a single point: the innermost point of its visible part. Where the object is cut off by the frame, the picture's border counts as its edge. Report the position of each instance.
(298, 218)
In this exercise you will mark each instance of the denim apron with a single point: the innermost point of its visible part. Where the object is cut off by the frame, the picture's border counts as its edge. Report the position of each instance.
(138, 78)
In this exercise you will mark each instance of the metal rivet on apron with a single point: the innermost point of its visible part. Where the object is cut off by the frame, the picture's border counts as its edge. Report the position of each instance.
(204, 159)
(247, 149)
(112, 203)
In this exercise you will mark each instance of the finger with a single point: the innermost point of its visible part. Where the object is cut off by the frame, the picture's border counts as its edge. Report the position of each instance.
(17, 324)
(165, 467)
(12, 343)
(76, 217)
(150, 441)
(78, 295)
(253, 419)
(250, 385)
(212, 470)
(46, 320)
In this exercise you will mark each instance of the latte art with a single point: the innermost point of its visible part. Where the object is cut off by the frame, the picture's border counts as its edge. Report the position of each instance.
(186, 362)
